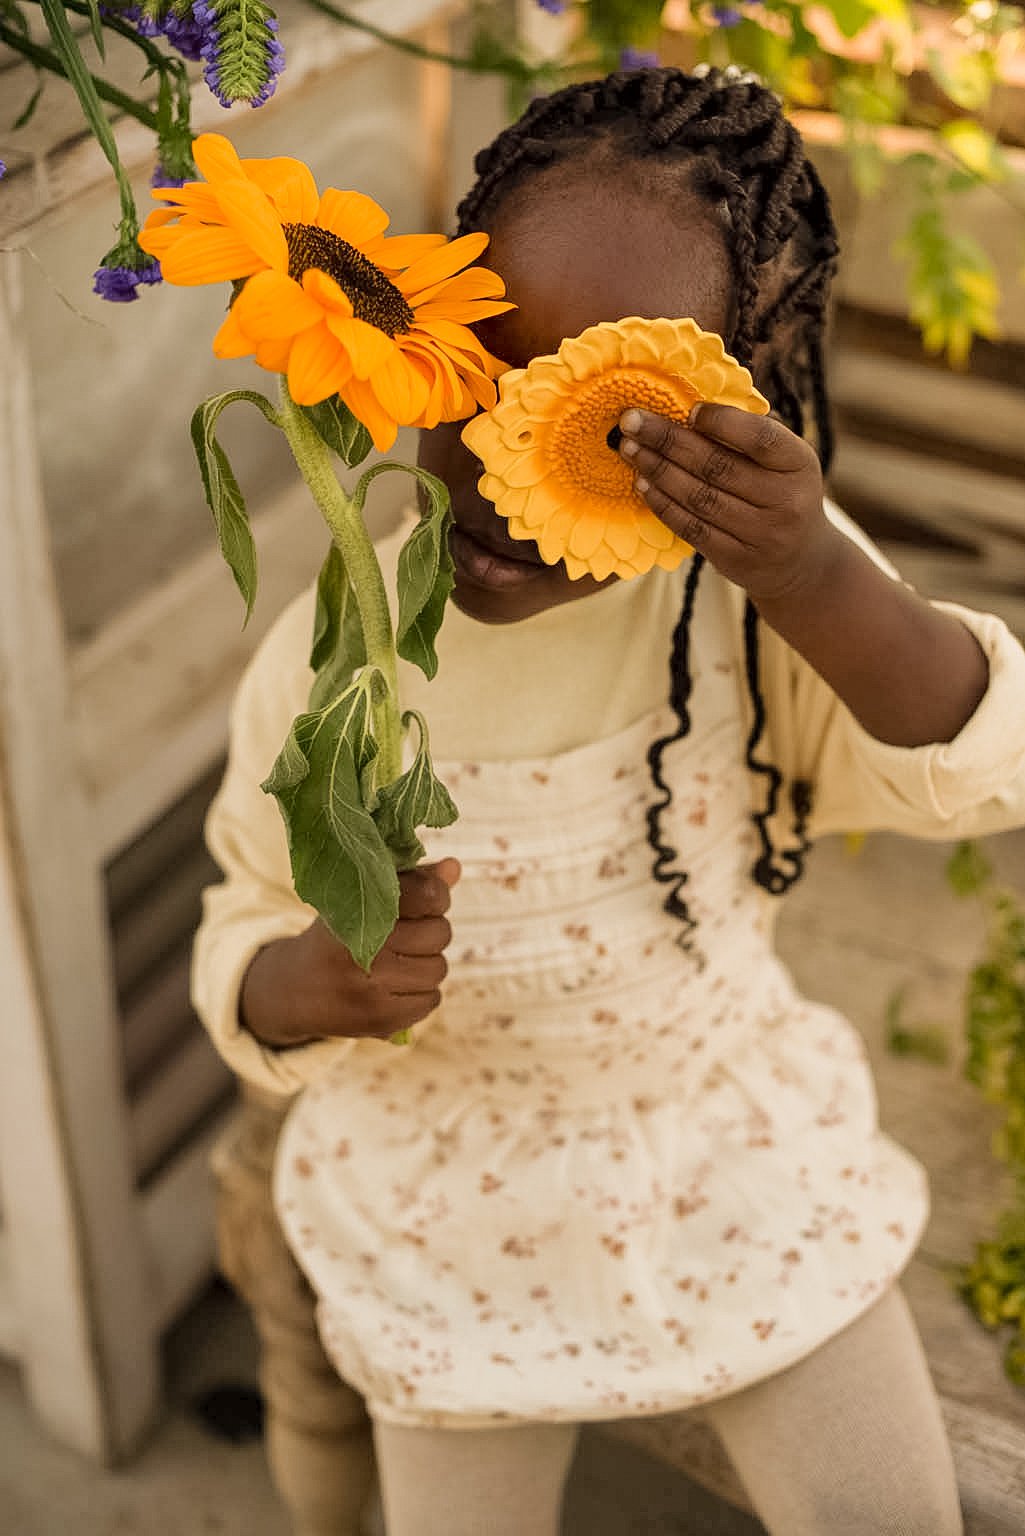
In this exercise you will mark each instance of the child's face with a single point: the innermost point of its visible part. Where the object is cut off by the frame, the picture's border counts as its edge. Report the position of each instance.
(572, 254)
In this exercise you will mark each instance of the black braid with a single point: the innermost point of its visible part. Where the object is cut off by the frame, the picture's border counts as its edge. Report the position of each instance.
(726, 138)
(679, 696)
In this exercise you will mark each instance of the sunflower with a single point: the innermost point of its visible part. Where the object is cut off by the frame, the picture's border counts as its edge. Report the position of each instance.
(549, 466)
(325, 297)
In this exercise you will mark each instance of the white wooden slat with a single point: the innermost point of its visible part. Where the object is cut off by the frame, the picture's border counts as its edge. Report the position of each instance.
(179, 1226)
(943, 404)
(189, 1085)
(158, 1019)
(91, 1365)
(160, 917)
(151, 691)
(941, 497)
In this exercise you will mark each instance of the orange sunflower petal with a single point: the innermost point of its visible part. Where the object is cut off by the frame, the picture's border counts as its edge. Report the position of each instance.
(197, 256)
(317, 366)
(230, 341)
(474, 283)
(274, 355)
(326, 292)
(368, 348)
(251, 214)
(352, 216)
(272, 306)
(216, 157)
(445, 262)
(402, 391)
(193, 198)
(366, 407)
(290, 186)
(397, 251)
(446, 386)
(465, 314)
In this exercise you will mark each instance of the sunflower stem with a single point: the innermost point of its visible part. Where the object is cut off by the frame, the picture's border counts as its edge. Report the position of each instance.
(356, 548)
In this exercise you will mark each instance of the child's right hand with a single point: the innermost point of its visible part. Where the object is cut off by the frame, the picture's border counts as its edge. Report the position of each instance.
(310, 988)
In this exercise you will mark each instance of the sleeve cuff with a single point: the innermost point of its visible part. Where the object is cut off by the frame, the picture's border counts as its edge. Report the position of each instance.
(986, 759)
(216, 987)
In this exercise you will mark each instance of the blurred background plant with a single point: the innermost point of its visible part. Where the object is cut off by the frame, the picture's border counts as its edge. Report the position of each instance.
(937, 86)
(993, 1284)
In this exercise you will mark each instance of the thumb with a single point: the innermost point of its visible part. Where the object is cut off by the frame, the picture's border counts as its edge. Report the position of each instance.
(448, 870)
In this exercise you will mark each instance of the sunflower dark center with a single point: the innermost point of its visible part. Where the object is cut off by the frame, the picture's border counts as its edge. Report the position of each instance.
(373, 297)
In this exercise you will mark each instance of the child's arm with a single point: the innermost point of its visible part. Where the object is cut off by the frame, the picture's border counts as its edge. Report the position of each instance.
(747, 493)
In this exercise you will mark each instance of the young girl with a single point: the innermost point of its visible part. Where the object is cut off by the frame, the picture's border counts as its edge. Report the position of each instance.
(625, 1168)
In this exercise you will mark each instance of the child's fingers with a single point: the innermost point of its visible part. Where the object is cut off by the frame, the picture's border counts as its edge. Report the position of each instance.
(409, 975)
(686, 492)
(424, 892)
(659, 442)
(762, 439)
(419, 936)
(697, 513)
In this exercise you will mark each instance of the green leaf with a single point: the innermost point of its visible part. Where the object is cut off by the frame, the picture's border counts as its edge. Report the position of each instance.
(968, 869)
(338, 645)
(928, 1043)
(851, 16)
(343, 433)
(967, 77)
(96, 28)
(976, 149)
(416, 799)
(340, 863)
(222, 490)
(25, 115)
(426, 574)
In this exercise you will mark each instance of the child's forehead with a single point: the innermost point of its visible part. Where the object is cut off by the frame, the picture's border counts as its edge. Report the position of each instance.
(575, 254)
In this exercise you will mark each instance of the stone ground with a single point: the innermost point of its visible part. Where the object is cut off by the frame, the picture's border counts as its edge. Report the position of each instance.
(854, 932)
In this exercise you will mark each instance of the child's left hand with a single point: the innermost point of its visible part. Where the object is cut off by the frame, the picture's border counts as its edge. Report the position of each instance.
(742, 489)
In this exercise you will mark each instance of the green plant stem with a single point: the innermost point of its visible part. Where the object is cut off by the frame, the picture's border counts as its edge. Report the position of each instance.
(158, 59)
(42, 58)
(414, 49)
(345, 523)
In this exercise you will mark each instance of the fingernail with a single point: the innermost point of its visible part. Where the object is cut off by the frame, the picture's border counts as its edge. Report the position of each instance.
(641, 486)
(692, 417)
(630, 421)
(628, 447)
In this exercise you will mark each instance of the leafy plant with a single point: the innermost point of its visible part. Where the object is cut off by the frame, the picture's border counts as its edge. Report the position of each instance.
(993, 1284)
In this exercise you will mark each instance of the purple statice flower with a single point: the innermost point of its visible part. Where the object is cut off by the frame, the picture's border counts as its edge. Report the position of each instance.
(239, 66)
(553, 7)
(162, 177)
(638, 58)
(182, 31)
(3, 169)
(275, 64)
(118, 284)
(185, 33)
(726, 16)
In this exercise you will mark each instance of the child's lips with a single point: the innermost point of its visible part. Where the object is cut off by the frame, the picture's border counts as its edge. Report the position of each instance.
(486, 566)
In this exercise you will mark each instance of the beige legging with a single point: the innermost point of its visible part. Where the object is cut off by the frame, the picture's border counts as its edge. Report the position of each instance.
(848, 1442)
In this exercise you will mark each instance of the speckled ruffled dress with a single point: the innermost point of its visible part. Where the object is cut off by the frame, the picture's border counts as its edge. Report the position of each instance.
(610, 1176)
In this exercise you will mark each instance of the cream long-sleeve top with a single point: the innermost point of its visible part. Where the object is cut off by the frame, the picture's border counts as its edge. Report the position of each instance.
(547, 686)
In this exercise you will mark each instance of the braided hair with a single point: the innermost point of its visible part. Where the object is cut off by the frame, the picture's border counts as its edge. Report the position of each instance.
(723, 136)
